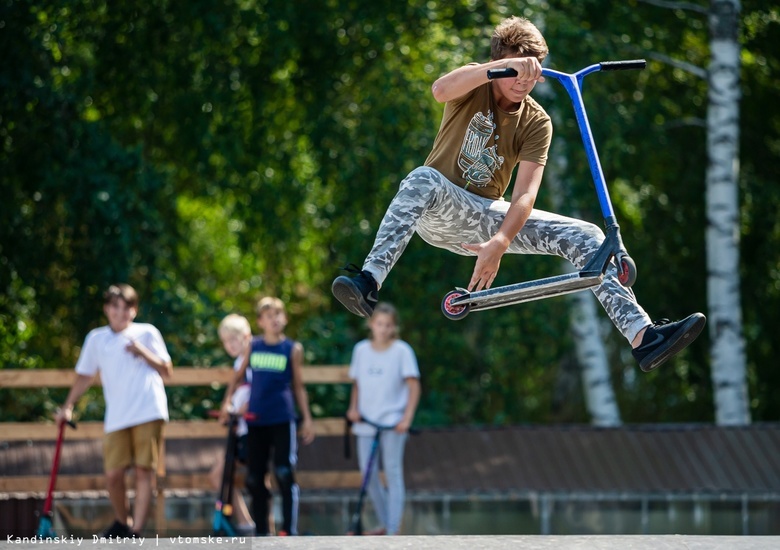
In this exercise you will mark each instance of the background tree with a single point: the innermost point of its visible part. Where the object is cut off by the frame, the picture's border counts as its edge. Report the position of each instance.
(729, 376)
(211, 155)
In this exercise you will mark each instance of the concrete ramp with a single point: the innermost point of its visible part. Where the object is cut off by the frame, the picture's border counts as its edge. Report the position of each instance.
(530, 542)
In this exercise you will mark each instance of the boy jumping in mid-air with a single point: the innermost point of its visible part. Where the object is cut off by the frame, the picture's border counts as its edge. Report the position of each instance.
(455, 201)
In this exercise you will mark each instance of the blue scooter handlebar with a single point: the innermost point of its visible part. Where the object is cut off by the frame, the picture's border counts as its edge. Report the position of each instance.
(627, 65)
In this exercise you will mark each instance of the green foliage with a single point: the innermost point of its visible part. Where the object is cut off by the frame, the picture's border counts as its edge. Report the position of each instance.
(760, 147)
(210, 154)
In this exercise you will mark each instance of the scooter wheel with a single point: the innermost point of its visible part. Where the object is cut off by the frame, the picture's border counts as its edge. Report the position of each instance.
(626, 271)
(453, 312)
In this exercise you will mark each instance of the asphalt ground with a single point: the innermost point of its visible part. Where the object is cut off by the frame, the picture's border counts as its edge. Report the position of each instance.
(530, 542)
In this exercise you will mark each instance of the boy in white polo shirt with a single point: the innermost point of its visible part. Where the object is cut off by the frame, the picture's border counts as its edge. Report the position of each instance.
(132, 361)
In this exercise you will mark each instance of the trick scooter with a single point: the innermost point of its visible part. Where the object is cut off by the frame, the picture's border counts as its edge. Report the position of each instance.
(356, 521)
(45, 523)
(222, 523)
(459, 302)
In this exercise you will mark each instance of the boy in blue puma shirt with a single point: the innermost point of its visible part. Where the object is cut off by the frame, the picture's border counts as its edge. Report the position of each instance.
(277, 386)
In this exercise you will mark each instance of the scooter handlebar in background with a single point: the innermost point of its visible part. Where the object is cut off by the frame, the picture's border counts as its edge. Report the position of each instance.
(381, 427)
(631, 64)
(348, 424)
(246, 416)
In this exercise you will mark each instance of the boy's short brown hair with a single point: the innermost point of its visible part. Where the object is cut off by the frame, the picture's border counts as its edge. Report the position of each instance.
(122, 292)
(269, 302)
(517, 37)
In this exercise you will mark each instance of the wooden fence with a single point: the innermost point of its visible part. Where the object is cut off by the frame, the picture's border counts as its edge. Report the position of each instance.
(176, 429)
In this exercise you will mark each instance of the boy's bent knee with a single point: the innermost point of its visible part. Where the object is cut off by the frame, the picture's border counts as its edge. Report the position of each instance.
(579, 242)
(587, 237)
(591, 232)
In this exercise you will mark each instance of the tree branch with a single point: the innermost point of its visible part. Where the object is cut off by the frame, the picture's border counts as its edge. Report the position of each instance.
(685, 122)
(678, 6)
(685, 66)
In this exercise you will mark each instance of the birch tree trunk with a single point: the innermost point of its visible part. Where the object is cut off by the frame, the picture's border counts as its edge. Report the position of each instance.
(584, 324)
(592, 357)
(723, 283)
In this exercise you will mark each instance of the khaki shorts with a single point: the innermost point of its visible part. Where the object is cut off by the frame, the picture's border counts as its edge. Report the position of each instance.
(134, 446)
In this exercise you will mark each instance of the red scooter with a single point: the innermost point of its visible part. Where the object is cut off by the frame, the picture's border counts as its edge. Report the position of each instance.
(45, 527)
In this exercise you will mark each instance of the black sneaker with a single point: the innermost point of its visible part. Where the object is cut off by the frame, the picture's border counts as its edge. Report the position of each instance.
(359, 294)
(665, 339)
(117, 530)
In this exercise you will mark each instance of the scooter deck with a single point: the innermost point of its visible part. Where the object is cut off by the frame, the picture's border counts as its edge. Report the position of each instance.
(528, 291)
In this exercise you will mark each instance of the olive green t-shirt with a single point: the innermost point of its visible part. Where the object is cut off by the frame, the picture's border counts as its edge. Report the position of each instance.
(479, 144)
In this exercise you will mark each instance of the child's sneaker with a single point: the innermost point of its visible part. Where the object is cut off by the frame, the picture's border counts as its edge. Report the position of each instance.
(246, 529)
(117, 530)
(665, 339)
(359, 294)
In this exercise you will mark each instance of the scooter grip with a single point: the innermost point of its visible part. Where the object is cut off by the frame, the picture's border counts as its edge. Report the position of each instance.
(623, 65)
(347, 447)
(506, 72)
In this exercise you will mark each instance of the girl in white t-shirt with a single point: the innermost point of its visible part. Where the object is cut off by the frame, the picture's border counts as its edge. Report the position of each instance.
(385, 391)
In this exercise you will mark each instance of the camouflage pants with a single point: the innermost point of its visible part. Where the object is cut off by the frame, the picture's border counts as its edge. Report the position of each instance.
(446, 215)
